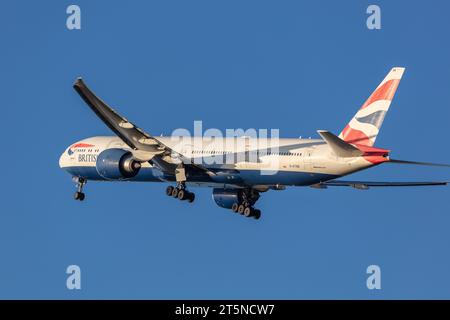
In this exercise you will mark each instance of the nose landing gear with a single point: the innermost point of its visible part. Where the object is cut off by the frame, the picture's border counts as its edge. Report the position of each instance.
(80, 182)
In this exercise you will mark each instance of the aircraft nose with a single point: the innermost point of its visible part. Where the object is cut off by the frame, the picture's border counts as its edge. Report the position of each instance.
(63, 160)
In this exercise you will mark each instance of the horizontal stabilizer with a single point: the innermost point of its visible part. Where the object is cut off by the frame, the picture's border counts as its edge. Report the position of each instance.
(339, 146)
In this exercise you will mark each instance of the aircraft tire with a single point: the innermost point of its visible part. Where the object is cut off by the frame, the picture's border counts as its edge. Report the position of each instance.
(169, 190)
(190, 197)
(79, 196)
(248, 211)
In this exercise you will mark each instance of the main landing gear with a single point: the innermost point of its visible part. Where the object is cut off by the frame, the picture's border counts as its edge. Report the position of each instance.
(245, 206)
(179, 192)
(80, 182)
(246, 210)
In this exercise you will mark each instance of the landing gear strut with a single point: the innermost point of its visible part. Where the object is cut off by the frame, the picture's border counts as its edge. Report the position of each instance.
(80, 182)
(245, 205)
(179, 192)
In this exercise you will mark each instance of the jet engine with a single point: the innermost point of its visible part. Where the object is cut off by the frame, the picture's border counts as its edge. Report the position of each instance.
(226, 197)
(117, 164)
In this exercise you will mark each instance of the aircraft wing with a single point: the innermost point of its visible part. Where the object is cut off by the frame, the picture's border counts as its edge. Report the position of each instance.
(133, 136)
(367, 184)
(145, 146)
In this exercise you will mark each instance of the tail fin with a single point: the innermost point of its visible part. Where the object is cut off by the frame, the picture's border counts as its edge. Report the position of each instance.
(365, 125)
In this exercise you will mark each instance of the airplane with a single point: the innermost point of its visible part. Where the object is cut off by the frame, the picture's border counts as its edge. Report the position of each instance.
(135, 155)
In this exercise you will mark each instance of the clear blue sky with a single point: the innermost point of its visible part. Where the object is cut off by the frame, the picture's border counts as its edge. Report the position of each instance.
(297, 66)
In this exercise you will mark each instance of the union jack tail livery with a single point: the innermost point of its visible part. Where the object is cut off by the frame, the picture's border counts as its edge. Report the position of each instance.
(365, 125)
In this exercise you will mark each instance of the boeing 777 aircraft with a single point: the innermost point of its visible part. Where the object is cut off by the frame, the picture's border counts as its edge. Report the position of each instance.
(238, 179)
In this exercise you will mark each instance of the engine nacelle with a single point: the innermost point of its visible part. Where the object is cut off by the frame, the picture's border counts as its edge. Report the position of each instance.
(117, 164)
(226, 197)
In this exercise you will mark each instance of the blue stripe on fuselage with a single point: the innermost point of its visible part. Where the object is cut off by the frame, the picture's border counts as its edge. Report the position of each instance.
(90, 173)
(249, 177)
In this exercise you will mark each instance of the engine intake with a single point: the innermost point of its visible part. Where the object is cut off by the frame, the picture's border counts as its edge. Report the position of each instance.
(117, 164)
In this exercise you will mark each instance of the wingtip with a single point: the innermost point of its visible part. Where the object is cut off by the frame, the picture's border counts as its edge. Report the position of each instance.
(78, 81)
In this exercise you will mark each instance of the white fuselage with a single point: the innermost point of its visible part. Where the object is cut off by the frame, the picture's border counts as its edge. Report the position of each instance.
(239, 161)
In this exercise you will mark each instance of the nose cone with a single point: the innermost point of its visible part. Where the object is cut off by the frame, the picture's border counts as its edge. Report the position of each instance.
(63, 161)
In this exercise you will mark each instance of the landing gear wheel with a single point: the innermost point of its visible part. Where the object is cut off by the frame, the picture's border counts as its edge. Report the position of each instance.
(191, 197)
(241, 209)
(181, 194)
(235, 207)
(80, 182)
(79, 196)
(257, 214)
(169, 190)
(248, 212)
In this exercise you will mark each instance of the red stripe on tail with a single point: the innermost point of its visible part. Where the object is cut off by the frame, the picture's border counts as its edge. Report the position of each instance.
(351, 135)
(384, 92)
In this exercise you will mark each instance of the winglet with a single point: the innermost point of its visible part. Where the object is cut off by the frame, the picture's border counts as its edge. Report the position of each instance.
(339, 146)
